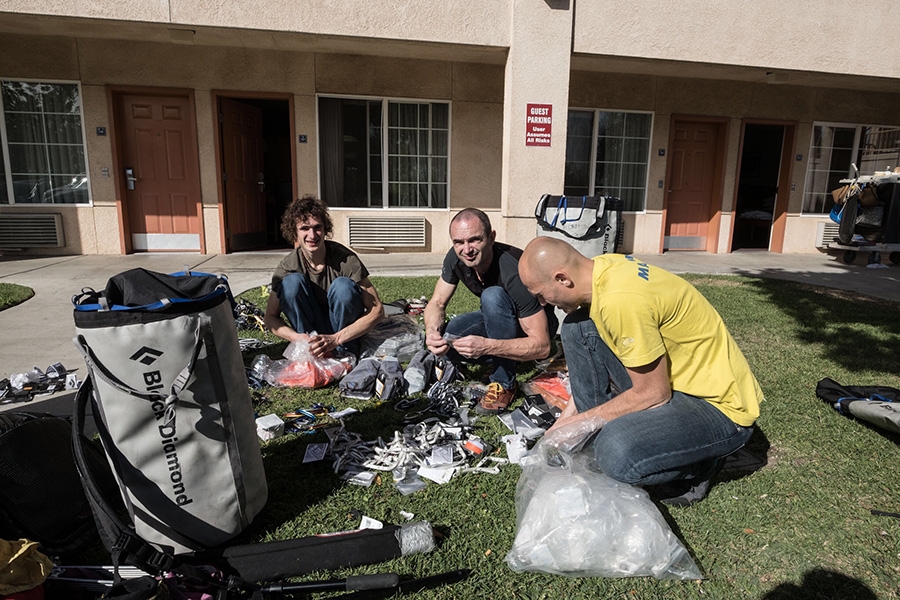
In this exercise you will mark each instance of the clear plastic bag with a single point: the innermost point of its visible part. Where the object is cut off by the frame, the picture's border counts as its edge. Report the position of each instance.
(573, 520)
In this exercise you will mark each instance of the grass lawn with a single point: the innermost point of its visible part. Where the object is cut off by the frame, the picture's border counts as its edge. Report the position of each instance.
(12, 294)
(799, 527)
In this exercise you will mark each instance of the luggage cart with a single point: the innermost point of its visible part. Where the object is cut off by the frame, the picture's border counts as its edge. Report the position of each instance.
(890, 224)
(875, 250)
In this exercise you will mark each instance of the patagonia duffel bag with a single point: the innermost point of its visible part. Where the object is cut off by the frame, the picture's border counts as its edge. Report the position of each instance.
(172, 406)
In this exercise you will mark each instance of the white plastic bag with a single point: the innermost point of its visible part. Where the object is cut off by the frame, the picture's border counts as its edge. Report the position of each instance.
(573, 520)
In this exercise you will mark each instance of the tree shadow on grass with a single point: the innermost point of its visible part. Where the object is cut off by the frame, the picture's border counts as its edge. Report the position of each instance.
(822, 584)
(843, 324)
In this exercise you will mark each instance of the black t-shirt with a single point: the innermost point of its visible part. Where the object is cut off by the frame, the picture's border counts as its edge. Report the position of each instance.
(504, 271)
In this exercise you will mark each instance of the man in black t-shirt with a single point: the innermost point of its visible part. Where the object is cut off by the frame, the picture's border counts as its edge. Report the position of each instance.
(511, 326)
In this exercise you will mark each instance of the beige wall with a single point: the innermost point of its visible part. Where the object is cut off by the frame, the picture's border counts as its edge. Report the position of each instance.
(537, 72)
(803, 35)
(800, 36)
(490, 165)
(453, 21)
(126, 10)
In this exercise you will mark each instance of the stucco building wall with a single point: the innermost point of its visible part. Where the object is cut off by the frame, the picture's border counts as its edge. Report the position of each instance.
(803, 35)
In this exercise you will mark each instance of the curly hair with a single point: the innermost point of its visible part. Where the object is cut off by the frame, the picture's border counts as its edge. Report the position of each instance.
(302, 209)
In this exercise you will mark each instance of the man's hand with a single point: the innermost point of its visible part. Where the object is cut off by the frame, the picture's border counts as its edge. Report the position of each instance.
(570, 433)
(436, 343)
(321, 344)
(471, 346)
(293, 336)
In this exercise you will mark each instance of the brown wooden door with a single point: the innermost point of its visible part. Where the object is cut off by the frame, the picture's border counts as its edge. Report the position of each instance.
(159, 153)
(242, 160)
(692, 176)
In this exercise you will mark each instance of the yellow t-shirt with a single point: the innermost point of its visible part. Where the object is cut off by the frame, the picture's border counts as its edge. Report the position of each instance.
(643, 312)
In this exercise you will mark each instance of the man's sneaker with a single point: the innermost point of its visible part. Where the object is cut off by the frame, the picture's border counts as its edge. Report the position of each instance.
(496, 400)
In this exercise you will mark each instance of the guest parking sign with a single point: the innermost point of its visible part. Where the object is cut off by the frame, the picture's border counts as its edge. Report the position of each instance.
(538, 124)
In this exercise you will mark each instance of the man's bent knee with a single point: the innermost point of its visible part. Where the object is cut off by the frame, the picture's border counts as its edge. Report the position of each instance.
(343, 289)
(290, 285)
(495, 297)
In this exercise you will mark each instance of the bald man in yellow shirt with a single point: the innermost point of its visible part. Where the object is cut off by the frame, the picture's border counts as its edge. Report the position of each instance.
(661, 391)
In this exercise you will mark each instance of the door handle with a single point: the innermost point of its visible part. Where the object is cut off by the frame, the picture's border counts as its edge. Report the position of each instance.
(130, 178)
(262, 182)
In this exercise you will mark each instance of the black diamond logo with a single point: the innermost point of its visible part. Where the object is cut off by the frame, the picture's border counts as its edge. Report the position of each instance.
(146, 355)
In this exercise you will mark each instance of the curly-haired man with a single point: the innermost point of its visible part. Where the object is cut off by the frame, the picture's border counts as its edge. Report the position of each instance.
(321, 286)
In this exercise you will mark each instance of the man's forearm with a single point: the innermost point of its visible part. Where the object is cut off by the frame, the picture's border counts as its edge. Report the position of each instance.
(280, 328)
(519, 349)
(629, 401)
(360, 327)
(434, 318)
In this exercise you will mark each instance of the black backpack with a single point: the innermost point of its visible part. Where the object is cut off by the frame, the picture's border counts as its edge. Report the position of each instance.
(41, 496)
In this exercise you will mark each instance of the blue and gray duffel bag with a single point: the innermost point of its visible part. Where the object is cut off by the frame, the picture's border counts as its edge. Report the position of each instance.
(170, 399)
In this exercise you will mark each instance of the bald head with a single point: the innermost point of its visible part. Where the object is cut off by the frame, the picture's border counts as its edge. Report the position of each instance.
(543, 255)
(556, 272)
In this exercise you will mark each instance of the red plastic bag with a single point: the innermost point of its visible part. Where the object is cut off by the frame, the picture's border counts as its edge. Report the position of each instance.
(310, 374)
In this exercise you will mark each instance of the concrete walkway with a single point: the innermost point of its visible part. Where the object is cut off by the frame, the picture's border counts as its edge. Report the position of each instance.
(39, 332)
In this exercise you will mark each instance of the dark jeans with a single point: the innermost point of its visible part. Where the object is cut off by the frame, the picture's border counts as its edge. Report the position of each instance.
(682, 439)
(306, 315)
(496, 320)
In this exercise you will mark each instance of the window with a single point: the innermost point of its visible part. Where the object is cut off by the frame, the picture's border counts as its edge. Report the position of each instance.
(607, 153)
(42, 134)
(833, 151)
(365, 164)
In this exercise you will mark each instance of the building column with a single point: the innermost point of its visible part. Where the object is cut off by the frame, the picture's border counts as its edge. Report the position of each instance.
(535, 112)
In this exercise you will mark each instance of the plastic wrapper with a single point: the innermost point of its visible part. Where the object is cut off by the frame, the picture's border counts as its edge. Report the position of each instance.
(20, 380)
(573, 520)
(552, 385)
(570, 436)
(399, 336)
(359, 384)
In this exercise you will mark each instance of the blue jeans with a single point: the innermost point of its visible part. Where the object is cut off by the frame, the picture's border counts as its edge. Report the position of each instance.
(497, 320)
(683, 439)
(299, 305)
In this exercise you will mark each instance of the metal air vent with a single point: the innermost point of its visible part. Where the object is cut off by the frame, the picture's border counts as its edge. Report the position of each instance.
(826, 231)
(385, 232)
(31, 230)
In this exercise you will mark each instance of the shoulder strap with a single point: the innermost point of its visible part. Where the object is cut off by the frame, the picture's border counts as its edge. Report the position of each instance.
(121, 540)
(124, 545)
